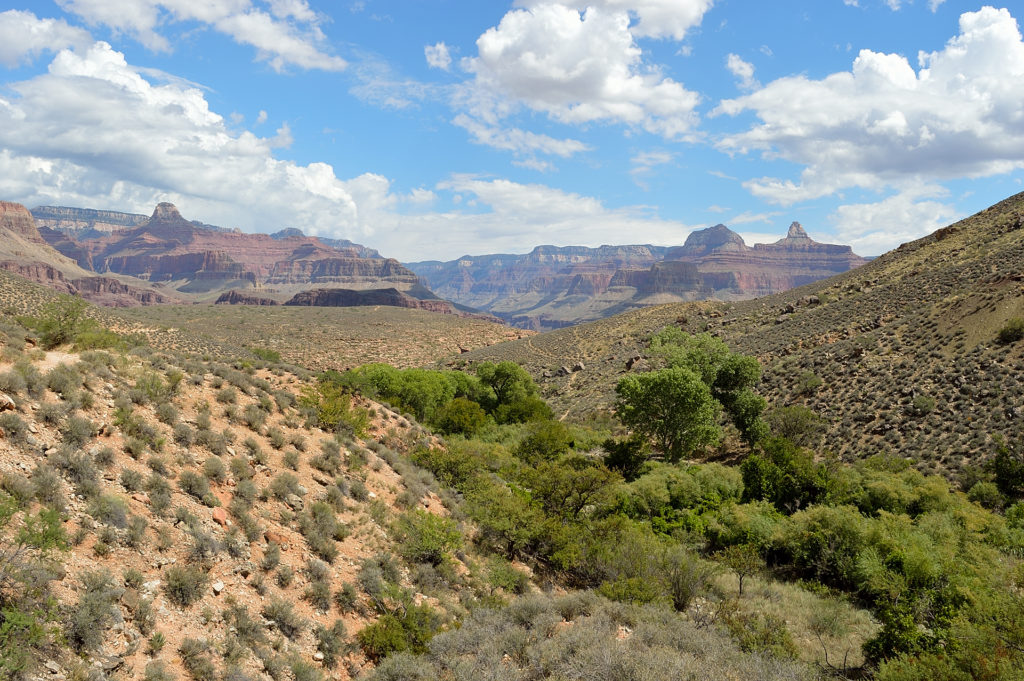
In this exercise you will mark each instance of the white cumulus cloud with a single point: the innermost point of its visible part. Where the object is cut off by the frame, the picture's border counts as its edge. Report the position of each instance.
(873, 228)
(24, 36)
(288, 35)
(883, 123)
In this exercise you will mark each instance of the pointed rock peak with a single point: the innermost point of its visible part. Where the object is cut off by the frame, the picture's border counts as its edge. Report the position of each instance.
(796, 231)
(166, 211)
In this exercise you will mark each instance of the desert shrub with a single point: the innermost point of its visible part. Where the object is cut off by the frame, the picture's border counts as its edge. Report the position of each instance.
(254, 417)
(247, 628)
(12, 383)
(167, 413)
(159, 492)
(18, 487)
(104, 457)
(52, 413)
(13, 426)
(271, 557)
(204, 546)
(329, 459)
(277, 438)
(195, 658)
(110, 510)
(197, 486)
(283, 485)
(64, 380)
(151, 387)
(346, 598)
(35, 384)
(135, 536)
(426, 538)
(318, 594)
(131, 480)
(93, 613)
(157, 671)
(215, 470)
(183, 434)
(46, 487)
(298, 441)
(227, 396)
(330, 641)
(184, 584)
(1012, 331)
(283, 615)
(285, 575)
(321, 529)
(291, 459)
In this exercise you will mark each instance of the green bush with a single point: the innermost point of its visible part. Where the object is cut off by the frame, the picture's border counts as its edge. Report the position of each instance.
(1012, 331)
(60, 321)
(426, 538)
(408, 630)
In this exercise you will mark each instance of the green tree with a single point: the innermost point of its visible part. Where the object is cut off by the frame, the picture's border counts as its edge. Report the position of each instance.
(545, 440)
(510, 394)
(729, 375)
(461, 416)
(743, 559)
(673, 407)
(61, 320)
(783, 474)
(566, 488)
(1008, 468)
(797, 423)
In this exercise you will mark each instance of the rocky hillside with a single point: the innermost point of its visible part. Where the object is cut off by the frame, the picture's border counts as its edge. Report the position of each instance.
(552, 287)
(900, 355)
(156, 462)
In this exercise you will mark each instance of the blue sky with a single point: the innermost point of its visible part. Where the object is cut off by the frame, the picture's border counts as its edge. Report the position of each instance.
(434, 129)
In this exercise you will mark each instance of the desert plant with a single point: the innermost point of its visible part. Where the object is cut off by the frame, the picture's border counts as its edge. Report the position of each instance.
(283, 615)
(184, 584)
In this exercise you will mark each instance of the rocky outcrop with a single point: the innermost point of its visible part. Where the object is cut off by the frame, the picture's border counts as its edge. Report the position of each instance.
(77, 221)
(765, 269)
(234, 297)
(114, 293)
(341, 297)
(41, 273)
(341, 270)
(17, 220)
